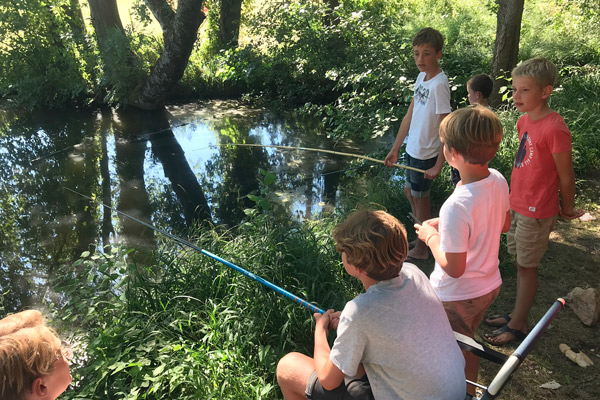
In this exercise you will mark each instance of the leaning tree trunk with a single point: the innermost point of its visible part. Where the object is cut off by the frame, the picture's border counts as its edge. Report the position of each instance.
(180, 30)
(506, 50)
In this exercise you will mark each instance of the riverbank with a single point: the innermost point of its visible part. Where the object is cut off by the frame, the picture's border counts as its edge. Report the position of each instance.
(572, 260)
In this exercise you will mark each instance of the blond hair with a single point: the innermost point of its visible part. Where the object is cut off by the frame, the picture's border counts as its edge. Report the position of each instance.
(429, 36)
(28, 349)
(475, 133)
(374, 241)
(540, 69)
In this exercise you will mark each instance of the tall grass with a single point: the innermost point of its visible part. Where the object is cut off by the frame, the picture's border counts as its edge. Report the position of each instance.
(191, 328)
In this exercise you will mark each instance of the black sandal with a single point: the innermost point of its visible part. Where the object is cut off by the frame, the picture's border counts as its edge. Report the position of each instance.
(518, 335)
(506, 318)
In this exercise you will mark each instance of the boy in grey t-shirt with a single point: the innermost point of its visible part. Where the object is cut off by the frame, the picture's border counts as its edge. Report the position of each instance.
(393, 342)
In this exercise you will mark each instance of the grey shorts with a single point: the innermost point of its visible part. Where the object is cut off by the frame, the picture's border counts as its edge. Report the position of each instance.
(349, 389)
(419, 186)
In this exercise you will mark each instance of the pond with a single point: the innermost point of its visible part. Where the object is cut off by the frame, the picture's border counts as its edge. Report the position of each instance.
(64, 175)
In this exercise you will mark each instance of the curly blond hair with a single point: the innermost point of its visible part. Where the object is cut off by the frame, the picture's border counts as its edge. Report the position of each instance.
(28, 349)
(373, 241)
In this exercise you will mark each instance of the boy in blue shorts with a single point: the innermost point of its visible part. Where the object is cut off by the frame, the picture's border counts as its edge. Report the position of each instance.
(420, 125)
(543, 168)
(393, 341)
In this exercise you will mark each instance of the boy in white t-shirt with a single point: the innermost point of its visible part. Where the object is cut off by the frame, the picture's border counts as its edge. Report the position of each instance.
(393, 341)
(465, 239)
(430, 104)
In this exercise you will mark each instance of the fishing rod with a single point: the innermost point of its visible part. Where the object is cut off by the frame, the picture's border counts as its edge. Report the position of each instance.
(183, 242)
(339, 153)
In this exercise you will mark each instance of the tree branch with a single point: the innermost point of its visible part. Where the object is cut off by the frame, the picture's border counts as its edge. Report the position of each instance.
(162, 11)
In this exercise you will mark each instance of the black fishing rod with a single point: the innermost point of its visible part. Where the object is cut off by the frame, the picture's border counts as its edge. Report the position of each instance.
(183, 242)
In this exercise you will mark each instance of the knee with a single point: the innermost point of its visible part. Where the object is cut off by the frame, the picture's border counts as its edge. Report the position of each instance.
(286, 366)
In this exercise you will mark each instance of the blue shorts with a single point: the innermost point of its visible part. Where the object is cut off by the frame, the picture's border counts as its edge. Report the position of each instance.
(419, 186)
(349, 389)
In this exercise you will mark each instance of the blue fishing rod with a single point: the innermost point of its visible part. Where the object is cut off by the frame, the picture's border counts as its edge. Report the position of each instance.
(183, 242)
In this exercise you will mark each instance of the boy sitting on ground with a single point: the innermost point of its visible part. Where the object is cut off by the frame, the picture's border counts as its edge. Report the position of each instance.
(32, 361)
(543, 168)
(396, 332)
(465, 239)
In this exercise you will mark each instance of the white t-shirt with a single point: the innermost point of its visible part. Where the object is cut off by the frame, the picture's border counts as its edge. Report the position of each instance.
(431, 98)
(471, 221)
(399, 331)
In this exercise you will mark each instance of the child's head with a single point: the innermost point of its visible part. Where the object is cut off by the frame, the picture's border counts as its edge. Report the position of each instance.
(31, 359)
(427, 50)
(374, 241)
(474, 132)
(479, 88)
(430, 37)
(540, 69)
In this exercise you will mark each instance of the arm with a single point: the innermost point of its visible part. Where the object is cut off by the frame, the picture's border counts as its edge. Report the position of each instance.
(329, 375)
(434, 171)
(566, 176)
(453, 264)
(506, 225)
(392, 157)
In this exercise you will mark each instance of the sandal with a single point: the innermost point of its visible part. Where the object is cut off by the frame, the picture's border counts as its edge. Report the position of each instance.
(517, 335)
(505, 317)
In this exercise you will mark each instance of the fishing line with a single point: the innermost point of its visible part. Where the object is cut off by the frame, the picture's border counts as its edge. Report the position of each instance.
(339, 153)
(183, 242)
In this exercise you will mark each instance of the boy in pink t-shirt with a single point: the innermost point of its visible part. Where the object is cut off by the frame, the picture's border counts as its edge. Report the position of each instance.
(543, 167)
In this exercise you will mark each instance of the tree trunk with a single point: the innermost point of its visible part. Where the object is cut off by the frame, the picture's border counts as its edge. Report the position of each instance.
(506, 49)
(229, 22)
(179, 38)
(105, 17)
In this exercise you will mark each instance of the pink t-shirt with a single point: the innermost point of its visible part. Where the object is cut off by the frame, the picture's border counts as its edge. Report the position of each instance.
(534, 181)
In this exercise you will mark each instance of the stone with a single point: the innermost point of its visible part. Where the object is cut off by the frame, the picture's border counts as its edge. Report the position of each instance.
(585, 303)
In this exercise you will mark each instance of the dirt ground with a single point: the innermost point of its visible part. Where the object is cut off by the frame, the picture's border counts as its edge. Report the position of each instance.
(572, 260)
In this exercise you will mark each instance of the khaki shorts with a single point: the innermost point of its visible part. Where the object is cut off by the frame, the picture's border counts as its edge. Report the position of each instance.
(528, 238)
(466, 315)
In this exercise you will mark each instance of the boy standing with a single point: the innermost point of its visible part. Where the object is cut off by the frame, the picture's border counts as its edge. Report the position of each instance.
(465, 239)
(430, 104)
(479, 89)
(543, 168)
(396, 331)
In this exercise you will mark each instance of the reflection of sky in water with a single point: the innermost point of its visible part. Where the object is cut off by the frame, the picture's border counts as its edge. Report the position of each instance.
(66, 150)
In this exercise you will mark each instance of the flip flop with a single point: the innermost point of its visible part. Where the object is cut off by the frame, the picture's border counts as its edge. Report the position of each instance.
(517, 335)
(506, 318)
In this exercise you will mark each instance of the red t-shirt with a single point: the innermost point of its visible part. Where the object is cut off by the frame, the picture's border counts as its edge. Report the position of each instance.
(534, 181)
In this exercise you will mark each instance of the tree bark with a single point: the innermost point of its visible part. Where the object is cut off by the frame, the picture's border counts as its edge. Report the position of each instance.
(179, 38)
(229, 22)
(506, 49)
(105, 17)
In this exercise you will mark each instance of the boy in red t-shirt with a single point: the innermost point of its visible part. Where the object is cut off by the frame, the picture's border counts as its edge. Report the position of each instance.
(543, 167)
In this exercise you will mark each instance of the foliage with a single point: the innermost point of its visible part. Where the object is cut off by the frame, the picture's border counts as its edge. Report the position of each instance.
(191, 328)
(45, 61)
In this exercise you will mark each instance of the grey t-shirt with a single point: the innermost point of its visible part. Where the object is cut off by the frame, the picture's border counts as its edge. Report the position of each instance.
(399, 331)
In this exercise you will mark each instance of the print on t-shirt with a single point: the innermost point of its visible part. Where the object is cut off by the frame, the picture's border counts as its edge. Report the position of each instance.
(422, 94)
(522, 153)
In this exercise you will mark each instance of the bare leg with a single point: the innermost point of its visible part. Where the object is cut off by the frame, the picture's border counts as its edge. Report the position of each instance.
(471, 370)
(527, 285)
(422, 212)
(293, 371)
